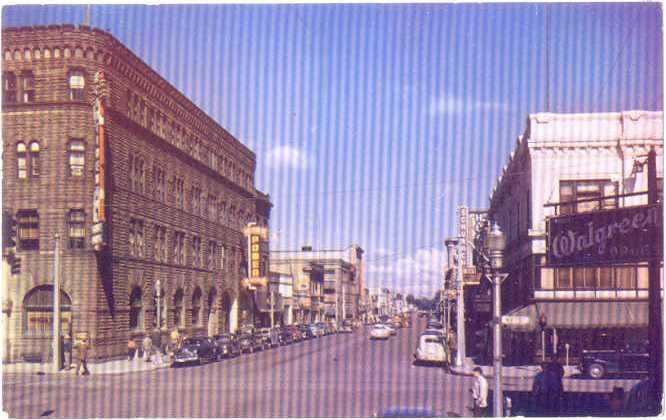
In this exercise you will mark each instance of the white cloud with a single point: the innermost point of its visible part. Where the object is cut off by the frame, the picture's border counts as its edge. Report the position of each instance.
(419, 273)
(455, 105)
(289, 157)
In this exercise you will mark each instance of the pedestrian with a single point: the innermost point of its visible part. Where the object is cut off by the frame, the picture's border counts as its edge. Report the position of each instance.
(452, 345)
(67, 351)
(616, 402)
(548, 390)
(480, 393)
(82, 357)
(147, 346)
(131, 349)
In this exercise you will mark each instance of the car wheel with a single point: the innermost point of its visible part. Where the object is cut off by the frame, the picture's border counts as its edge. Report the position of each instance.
(596, 371)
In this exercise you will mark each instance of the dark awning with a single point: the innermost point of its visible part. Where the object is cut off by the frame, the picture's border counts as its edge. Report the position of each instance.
(578, 315)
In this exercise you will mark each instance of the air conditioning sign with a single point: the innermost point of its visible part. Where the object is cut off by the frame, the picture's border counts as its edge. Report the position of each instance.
(625, 235)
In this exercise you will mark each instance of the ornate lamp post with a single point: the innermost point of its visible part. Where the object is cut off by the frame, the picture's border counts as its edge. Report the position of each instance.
(496, 244)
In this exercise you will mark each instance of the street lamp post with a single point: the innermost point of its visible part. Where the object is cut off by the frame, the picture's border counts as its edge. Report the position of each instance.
(496, 243)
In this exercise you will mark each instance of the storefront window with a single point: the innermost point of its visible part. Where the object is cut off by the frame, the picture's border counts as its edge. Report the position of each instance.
(625, 277)
(605, 278)
(584, 277)
(563, 277)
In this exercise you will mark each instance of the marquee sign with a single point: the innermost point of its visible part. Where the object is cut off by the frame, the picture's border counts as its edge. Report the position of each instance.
(624, 235)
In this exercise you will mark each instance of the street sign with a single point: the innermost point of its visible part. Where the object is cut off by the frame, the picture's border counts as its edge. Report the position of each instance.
(516, 320)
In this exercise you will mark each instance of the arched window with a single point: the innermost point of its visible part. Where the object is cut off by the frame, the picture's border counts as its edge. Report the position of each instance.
(163, 307)
(38, 312)
(22, 160)
(34, 159)
(211, 310)
(179, 309)
(196, 307)
(136, 310)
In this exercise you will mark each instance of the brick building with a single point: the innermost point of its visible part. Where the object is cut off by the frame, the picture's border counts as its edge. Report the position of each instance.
(177, 191)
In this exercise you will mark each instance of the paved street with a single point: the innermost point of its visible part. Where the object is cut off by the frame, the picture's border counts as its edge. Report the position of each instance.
(343, 375)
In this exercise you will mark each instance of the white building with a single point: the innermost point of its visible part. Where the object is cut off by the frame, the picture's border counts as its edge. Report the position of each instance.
(560, 158)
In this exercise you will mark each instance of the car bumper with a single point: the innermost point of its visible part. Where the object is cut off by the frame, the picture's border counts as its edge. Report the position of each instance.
(186, 359)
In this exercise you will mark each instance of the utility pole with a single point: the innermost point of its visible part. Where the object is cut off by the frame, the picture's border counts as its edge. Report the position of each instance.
(56, 305)
(655, 323)
(272, 313)
(158, 293)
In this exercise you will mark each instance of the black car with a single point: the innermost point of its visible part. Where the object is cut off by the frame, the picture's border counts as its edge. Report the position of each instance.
(249, 343)
(227, 346)
(632, 358)
(197, 350)
(305, 331)
(284, 336)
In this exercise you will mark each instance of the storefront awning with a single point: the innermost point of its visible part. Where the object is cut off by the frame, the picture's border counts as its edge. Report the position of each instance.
(578, 315)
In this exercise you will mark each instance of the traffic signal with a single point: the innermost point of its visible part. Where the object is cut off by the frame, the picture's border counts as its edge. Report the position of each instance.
(8, 230)
(16, 265)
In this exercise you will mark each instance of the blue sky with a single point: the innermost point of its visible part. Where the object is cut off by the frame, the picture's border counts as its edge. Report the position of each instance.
(371, 123)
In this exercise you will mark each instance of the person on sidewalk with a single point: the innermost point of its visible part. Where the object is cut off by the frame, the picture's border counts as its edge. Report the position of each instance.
(131, 349)
(82, 358)
(480, 393)
(548, 390)
(452, 346)
(147, 346)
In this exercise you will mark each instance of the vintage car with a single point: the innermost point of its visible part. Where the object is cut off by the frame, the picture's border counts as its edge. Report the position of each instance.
(430, 349)
(198, 350)
(631, 358)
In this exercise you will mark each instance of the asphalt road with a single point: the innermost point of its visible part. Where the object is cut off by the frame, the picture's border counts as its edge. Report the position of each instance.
(344, 375)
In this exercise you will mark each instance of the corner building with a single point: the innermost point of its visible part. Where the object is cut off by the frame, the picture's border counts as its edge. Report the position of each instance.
(178, 191)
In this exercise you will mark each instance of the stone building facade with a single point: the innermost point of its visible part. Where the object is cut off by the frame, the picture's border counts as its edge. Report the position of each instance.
(178, 187)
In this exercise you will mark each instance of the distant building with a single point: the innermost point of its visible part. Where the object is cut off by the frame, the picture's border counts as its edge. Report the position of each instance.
(342, 274)
(562, 158)
(178, 190)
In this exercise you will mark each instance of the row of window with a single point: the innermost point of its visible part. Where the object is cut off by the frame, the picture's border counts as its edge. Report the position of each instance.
(27, 222)
(137, 310)
(28, 54)
(173, 247)
(21, 88)
(160, 124)
(171, 190)
(28, 163)
(599, 278)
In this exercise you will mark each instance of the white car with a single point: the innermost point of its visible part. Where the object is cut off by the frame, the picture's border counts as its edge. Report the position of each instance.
(380, 332)
(430, 349)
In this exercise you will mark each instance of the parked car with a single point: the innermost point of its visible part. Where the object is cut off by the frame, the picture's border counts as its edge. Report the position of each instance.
(346, 327)
(323, 328)
(249, 343)
(296, 334)
(380, 332)
(305, 331)
(227, 346)
(331, 327)
(284, 336)
(430, 349)
(269, 337)
(197, 350)
(316, 330)
(632, 358)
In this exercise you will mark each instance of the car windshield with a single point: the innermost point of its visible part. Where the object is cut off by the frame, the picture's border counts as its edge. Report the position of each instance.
(192, 341)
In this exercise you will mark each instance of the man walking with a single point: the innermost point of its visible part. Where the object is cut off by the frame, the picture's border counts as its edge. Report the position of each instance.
(147, 346)
(480, 393)
(82, 357)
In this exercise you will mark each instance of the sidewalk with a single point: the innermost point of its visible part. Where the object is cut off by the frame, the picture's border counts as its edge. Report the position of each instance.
(95, 368)
(522, 372)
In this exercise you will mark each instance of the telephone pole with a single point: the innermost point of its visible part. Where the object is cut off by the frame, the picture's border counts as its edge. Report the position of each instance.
(56, 305)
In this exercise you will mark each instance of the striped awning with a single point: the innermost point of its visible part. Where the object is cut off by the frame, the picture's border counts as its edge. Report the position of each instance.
(579, 315)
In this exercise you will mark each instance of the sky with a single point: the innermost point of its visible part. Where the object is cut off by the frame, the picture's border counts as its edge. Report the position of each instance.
(372, 123)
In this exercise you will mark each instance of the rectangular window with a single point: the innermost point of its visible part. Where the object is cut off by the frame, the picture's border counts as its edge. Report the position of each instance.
(77, 230)
(76, 157)
(9, 88)
(625, 277)
(159, 183)
(179, 248)
(211, 255)
(195, 199)
(196, 251)
(587, 190)
(605, 278)
(584, 277)
(136, 238)
(137, 174)
(28, 86)
(180, 192)
(28, 229)
(160, 251)
(77, 83)
(563, 278)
